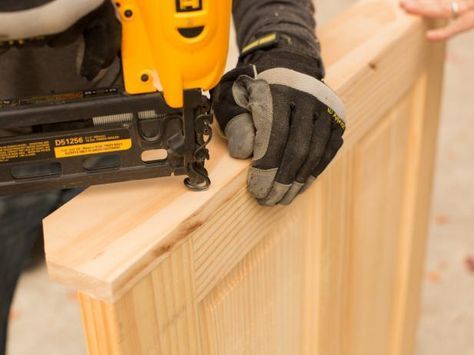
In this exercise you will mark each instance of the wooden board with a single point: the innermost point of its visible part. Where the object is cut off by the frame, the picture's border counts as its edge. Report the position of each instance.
(162, 270)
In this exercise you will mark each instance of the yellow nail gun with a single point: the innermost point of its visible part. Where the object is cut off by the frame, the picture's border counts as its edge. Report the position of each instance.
(172, 51)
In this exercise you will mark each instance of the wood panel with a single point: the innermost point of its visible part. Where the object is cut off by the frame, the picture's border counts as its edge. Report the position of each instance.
(158, 316)
(416, 209)
(326, 261)
(162, 270)
(144, 219)
(378, 194)
(245, 312)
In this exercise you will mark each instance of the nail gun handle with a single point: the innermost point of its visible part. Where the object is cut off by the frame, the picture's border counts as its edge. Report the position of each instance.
(174, 45)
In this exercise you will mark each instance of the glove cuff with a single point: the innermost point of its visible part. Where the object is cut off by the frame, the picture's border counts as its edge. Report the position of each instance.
(277, 50)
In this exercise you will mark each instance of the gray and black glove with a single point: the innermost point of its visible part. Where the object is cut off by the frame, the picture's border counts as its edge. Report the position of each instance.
(275, 108)
(61, 22)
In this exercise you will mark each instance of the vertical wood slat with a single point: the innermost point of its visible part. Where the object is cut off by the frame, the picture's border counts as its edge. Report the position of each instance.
(378, 191)
(158, 316)
(416, 209)
(244, 313)
(326, 262)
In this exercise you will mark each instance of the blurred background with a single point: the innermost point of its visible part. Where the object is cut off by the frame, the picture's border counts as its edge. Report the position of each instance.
(45, 317)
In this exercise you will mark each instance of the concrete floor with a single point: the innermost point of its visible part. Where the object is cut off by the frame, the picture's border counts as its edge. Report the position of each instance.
(447, 321)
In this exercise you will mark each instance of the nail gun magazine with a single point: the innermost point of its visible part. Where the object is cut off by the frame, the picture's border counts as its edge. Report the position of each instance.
(156, 122)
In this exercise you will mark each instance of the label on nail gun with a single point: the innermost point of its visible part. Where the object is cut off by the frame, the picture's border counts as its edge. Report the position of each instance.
(24, 151)
(66, 147)
(105, 142)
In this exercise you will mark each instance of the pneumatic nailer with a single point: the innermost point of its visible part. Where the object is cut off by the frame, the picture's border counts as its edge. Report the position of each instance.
(157, 123)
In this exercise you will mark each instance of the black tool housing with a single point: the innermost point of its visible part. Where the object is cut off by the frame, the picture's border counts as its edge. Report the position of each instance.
(101, 136)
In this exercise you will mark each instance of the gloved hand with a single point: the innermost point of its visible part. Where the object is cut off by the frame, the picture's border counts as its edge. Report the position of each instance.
(60, 23)
(275, 108)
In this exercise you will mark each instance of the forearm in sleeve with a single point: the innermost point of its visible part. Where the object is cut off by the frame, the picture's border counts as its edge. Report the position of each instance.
(293, 18)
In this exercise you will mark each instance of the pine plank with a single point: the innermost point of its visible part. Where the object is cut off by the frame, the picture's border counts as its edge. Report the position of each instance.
(125, 228)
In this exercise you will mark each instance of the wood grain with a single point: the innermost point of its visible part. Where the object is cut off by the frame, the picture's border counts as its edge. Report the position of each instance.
(125, 228)
(165, 271)
(158, 316)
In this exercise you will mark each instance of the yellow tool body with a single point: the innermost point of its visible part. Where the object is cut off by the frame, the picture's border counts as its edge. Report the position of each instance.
(172, 50)
(174, 45)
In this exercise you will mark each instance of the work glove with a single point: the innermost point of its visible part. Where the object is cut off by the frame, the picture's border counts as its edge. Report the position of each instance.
(58, 23)
(275, 108)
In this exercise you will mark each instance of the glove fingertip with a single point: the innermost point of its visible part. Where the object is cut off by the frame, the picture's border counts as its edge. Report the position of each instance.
(240, 133)
(277, 193)
(260, 182)
(307, 184)
(292, 193)
(241, 145)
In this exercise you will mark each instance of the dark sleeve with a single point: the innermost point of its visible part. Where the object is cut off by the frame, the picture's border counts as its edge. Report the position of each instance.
(294, 18)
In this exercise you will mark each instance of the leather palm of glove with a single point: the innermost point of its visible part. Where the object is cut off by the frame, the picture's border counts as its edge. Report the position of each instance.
(58, 23)
(274, 108)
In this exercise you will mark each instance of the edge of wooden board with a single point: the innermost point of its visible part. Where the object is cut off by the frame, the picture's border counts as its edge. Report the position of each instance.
(110, 237)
